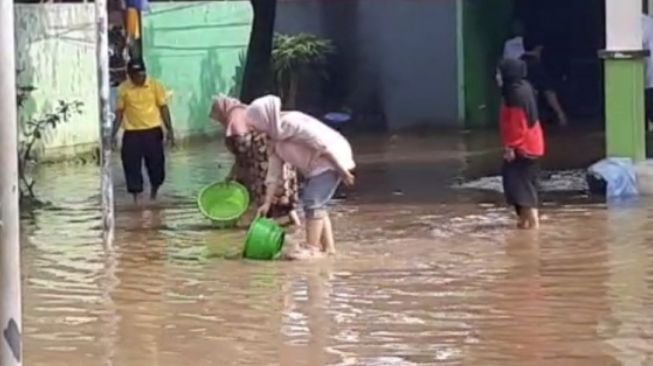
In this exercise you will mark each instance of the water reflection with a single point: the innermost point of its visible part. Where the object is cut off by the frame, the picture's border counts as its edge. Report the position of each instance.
(432, 275)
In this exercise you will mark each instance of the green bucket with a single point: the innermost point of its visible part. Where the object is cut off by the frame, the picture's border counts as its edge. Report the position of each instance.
(264, 240)
(223, 202)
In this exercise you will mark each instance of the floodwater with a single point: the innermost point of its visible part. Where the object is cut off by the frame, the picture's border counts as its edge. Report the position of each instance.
(426, 274)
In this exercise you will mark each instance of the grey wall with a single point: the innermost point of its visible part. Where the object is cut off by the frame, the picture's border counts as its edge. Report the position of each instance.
(396, 57)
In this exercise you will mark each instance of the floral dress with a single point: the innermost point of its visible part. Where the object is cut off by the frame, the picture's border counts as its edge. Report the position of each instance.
(251, 169)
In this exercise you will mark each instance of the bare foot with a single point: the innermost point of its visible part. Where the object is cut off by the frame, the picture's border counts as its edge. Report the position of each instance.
(522, 222)
(315, 251)
(534, 224)
(297, 254)
(534, 219)
(137, 197)
(154, 193)
(301, 253)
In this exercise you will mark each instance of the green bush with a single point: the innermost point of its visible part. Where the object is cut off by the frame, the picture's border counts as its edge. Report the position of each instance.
(295, 57)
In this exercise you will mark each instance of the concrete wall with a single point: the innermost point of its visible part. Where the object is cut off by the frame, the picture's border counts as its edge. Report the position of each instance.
(195, 49)
(399, 57)
(55, 46)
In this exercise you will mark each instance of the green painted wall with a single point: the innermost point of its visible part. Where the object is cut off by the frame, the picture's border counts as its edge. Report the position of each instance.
(624, 113)
(196, 49)
(55, 49)
(485, 28)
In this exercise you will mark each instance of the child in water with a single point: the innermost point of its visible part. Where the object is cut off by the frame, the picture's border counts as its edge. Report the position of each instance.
(320, 154)
(523, 142)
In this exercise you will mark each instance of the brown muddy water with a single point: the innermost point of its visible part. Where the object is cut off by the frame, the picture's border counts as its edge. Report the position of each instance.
(427, 274)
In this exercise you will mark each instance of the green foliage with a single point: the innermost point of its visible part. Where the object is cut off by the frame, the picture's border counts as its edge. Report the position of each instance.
(33, 131)
(293, 57)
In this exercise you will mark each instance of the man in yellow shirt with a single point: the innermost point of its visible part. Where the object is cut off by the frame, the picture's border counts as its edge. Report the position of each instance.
(142, 112)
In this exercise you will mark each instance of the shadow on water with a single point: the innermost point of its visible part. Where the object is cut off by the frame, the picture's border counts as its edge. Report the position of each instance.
(439, 280)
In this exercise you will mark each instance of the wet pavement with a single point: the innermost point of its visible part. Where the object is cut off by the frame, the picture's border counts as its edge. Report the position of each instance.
(426, 274)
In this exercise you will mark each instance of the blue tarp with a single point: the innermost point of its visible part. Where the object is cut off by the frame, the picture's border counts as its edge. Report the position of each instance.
(619, 175)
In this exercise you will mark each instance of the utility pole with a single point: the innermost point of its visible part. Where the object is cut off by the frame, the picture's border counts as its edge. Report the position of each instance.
(106, 120)
(10, 293)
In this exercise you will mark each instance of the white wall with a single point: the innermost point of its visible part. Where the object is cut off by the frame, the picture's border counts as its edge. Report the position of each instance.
(55, 46)
(624, 25)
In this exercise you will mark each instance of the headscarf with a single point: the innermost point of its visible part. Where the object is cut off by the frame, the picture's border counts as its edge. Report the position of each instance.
(297, 135)
(264, 115)
(516, 91)
(222, 107)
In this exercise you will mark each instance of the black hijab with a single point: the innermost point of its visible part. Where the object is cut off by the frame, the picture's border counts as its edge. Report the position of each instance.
(516, 91)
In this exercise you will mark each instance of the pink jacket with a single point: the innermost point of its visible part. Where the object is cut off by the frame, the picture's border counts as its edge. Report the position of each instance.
(297, 139)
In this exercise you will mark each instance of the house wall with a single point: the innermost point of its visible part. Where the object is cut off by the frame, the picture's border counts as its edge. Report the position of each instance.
(197, 50)
(398, 58)
(55, 46)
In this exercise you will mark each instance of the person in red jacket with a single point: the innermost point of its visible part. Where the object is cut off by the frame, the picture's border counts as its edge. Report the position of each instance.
(523, 142)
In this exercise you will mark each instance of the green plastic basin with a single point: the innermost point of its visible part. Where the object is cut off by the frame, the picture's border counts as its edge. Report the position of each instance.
(264, 241)
(223, 202)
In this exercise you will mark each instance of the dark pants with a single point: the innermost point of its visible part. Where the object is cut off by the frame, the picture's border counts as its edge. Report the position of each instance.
(520, 184)
(648, 94)
(139, 146)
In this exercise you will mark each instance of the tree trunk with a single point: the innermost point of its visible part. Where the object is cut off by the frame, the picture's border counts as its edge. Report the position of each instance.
(257, 75)
(293, 89)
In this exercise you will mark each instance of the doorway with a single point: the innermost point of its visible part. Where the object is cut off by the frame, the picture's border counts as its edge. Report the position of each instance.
(572, 32)
(486, 25)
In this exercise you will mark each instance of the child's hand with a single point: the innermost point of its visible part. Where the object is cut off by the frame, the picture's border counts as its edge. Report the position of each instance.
(509, 154)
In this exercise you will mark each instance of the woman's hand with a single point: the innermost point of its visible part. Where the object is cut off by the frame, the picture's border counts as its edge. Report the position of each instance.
(264, 210)
(348, 178)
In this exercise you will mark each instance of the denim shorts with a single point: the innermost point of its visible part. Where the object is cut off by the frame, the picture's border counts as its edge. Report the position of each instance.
(317, 192)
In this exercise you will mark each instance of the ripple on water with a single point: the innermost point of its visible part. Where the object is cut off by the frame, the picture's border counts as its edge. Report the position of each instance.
(414, 284)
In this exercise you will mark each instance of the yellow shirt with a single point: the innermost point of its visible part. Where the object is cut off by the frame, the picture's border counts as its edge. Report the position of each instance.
(141, 104)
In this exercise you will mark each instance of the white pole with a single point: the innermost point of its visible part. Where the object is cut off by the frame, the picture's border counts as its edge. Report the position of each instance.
(106, 121)
(10, 292)
(623, 25)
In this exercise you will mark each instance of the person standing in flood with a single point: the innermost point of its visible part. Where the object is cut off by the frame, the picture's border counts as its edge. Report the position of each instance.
(523, 142)
(322, 155)
(542, 82)
(251, 152)
(142, 112)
